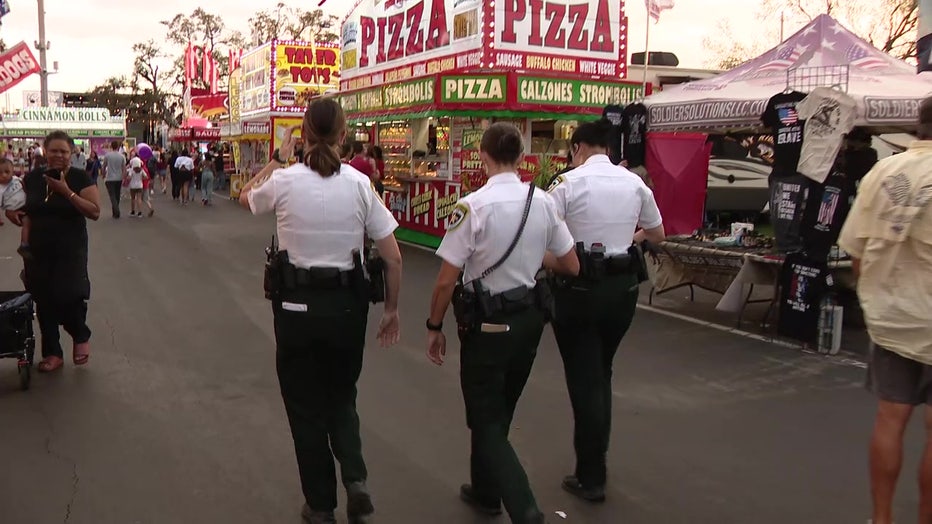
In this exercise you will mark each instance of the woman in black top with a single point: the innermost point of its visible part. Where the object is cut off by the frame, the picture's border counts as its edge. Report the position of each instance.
(59, 200)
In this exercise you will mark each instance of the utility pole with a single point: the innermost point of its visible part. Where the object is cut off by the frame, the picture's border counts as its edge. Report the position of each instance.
(42, 46)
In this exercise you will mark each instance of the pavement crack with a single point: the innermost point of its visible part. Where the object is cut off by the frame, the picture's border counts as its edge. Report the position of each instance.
(50, 451)
(75, 479)
(113, 342)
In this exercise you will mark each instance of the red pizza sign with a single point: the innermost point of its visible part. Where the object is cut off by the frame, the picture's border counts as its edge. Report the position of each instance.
(587, 38)
(392, 41)
(389, 41)
(15, 65)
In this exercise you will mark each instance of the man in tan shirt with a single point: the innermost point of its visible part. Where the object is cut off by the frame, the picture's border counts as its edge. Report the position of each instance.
(889, 236)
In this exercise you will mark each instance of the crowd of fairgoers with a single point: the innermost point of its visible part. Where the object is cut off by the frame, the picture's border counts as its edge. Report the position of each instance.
(206, 176)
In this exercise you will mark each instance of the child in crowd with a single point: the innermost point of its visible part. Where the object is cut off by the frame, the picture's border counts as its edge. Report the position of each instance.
(135, 174)
(12, 198)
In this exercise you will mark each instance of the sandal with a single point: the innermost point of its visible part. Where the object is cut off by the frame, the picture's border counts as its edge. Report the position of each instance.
(49, 364)
(81, 354)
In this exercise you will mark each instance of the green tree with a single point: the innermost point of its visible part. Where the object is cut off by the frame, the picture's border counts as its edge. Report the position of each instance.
(889, 25)
(268, 24)
(204, 29)
(728, 54)
(149, 84)
(313, 25)
(293, 23)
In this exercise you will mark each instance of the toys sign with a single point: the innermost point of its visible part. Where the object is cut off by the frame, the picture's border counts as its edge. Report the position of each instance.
(560, 35)
(15, 65)
(302, 71)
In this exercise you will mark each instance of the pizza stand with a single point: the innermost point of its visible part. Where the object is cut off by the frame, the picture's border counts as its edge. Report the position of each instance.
(425, 91)
(92, 127)
(269, 92)
(886, 93)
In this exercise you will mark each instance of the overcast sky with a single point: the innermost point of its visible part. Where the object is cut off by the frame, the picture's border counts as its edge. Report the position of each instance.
(92, 39)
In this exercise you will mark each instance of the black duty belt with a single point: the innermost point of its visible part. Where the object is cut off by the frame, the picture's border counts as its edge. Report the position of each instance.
(620, 264)
(507, 302)
(322, 278)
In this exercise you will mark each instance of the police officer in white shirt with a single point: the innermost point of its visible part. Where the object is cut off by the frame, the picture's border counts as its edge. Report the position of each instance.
(498, 236)
(320, 298)
(603, 205)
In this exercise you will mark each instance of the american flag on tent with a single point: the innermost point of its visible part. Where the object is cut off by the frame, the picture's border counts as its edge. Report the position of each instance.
(655, 7)
(861, 57)
(786, 57)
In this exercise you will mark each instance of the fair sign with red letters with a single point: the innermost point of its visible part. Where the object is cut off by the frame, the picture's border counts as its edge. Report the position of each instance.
(389, 41)
(16, 63)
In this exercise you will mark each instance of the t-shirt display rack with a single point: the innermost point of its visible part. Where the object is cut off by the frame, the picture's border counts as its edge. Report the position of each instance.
(805, 277)
(805, 79)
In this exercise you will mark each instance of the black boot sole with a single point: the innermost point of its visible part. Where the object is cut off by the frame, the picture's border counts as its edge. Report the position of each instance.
(575, 489)
(466, 495)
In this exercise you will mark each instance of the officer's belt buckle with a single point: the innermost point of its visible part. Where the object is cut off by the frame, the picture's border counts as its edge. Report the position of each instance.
(486, 327)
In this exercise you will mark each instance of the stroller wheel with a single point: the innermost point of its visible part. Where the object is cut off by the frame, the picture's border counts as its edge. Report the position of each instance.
(25, 376)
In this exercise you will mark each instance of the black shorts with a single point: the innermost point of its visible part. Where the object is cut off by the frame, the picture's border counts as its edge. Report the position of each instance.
(895, 378)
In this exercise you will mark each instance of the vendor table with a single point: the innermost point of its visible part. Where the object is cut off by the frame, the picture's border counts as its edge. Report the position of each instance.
(725, 270)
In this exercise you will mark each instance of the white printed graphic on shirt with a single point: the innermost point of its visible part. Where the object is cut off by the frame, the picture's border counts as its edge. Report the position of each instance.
(906, 205)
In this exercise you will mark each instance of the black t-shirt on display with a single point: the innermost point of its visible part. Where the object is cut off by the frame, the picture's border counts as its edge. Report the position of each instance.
(615, 115)
(787, 198)
(826, 210)
(803, 283)
(783, 119)
(634, 127)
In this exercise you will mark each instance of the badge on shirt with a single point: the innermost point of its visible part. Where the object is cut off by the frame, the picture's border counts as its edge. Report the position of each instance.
(556, 182)
(460, 211)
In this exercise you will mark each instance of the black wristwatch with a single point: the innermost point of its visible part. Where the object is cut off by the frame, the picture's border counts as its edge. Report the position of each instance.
(434, 327)
(276, 158)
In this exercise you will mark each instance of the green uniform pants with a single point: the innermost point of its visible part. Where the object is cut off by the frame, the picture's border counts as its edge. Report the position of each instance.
(589, 327)
(494, 369)
(319, 358)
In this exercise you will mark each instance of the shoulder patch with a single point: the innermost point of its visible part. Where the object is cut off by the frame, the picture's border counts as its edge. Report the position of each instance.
(457, 216)
(556, 182)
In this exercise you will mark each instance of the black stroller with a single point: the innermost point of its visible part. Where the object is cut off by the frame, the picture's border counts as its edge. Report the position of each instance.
(17, 339)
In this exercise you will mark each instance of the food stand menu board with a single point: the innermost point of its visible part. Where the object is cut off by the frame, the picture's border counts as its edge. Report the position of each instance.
(426, 207)
(471, 172)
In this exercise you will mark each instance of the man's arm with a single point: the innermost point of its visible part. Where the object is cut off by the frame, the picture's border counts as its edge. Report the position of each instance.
(568, 264)
(443, 292)
(391, 255)
(260, 178)
(654, 235)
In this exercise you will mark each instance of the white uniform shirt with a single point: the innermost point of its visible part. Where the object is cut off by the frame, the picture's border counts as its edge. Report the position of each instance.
(321, 220)
(604, 203)
(483, 225)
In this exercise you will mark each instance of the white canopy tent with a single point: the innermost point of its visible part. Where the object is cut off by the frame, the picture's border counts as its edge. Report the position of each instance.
(887, 91)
